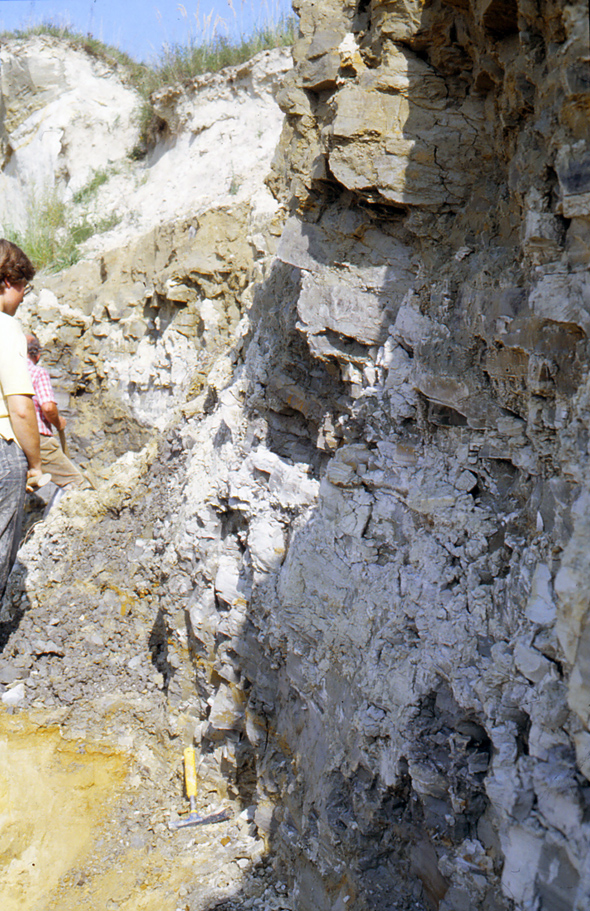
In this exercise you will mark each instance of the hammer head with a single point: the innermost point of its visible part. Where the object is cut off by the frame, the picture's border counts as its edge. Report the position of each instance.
(193, 819)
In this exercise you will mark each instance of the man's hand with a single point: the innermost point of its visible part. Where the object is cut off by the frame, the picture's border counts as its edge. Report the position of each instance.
(52, 415)
(36, 479)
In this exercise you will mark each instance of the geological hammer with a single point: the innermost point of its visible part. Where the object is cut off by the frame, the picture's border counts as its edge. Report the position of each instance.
(190, 780)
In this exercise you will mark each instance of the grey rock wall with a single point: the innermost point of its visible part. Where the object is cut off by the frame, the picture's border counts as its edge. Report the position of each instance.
(426, 628)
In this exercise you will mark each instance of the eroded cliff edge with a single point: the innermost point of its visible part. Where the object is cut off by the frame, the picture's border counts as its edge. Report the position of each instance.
(370, 546)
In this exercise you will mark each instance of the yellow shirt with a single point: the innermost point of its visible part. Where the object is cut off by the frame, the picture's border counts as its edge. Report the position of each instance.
(14, 373)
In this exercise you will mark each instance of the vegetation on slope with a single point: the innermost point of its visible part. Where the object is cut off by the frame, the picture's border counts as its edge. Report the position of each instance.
(208, 53)
(52, 238)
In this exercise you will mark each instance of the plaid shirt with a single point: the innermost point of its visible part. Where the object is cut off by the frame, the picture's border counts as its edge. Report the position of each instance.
(43, 394)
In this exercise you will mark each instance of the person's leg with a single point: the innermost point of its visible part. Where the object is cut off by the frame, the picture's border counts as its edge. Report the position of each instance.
(63, 472)
(13, 478)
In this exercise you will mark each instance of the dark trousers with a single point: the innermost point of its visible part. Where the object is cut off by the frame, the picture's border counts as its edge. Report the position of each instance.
(13, 478)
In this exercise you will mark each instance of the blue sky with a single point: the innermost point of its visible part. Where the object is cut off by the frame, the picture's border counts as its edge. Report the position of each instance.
(142, 27)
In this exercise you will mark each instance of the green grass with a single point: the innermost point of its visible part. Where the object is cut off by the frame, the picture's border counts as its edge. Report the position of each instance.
(177, 62)
(85, 193)
(52, 239)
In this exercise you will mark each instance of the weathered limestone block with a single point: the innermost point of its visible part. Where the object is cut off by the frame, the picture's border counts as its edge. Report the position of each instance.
(446, 388)
(531, 663)
(344, 307)
(558, 796)
(578, 242)
(543, 233)
(541, 607)
(266, 541)
(571, 587)
(291, 486)
(393, 136)
(573, 170)
(292, 99)
(397, 19)
(203, 618)
(230, 584)
(227, 709)
(522, 850)
(563, 297)
(461, 396)
(579, 695)
(319, 60)
(332, 14)
(352, 301)
(559, 882)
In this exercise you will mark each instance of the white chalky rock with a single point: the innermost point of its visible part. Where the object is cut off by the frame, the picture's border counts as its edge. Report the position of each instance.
(229, 585)
(531, 663)
(541, 607)
(522, 852)
(227, 708)
(292, 487)
(582, 742)
(466, 481)
(14, 696)
(267, 544)
(79, 117)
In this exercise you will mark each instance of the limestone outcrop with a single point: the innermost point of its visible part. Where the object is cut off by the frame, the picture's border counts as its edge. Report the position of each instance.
(187, 225)
(362, 525)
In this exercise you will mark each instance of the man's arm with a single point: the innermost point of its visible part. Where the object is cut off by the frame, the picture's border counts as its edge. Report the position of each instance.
(24, 423)
(52, 415)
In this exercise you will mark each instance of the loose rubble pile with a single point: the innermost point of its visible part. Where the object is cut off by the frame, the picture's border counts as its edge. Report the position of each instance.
(92, 655)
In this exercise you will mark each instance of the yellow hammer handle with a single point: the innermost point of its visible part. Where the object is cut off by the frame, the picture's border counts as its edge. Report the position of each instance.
(190, 772)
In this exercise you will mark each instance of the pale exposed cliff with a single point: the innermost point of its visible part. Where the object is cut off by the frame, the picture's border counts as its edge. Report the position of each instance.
(361, 533)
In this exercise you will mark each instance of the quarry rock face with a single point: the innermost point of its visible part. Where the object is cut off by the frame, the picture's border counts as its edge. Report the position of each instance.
(440, 259)
(357, 519)
(194, 213)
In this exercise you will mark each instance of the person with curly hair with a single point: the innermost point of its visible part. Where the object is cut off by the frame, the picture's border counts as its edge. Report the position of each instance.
(20, 456)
